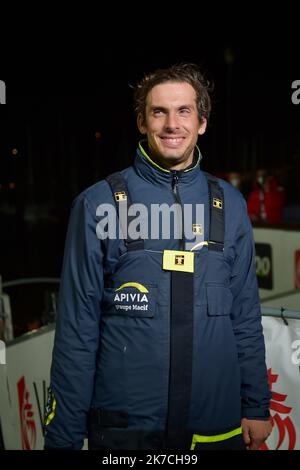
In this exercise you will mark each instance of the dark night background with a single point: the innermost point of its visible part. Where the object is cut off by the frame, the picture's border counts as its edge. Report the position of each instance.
(69, 118)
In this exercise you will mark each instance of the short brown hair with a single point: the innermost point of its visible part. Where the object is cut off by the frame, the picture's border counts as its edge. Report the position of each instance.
(189, 73)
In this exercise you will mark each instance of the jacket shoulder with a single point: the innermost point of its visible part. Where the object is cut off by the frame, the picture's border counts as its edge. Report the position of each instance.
(99, 192)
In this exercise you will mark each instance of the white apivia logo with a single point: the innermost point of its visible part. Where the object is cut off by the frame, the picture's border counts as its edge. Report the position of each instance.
(2, 92)
(296, 94)
(2, 353)
(131, 297)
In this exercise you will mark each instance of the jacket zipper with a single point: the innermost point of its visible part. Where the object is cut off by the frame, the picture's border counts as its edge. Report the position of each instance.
(175, 180)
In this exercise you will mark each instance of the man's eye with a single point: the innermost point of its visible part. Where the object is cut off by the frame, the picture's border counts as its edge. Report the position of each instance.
(157, 112)
(184, 111)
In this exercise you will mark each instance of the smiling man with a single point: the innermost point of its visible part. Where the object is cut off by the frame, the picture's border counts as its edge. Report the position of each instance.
(159, 343)
(172, 124)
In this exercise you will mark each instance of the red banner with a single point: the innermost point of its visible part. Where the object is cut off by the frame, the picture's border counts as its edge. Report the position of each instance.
(28, 428)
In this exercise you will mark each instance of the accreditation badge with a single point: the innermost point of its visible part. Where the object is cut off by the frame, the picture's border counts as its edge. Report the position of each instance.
(178, 261)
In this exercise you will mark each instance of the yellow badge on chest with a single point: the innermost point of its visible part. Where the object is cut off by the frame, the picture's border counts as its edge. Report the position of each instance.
(178, 261)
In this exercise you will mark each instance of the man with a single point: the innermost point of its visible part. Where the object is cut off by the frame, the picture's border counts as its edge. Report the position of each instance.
(266, 200)
(234, 178)
(159, 341)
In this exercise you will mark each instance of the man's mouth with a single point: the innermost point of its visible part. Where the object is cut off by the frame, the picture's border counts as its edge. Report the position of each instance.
(172, 142)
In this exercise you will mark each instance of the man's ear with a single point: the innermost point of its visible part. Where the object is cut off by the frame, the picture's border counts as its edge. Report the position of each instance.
(202, 127)
(141, 124)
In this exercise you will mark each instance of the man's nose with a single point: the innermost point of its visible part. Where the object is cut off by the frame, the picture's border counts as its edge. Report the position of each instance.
(171, 122)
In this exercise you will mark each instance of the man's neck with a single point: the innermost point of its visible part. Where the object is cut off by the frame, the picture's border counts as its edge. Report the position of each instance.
(181, 166)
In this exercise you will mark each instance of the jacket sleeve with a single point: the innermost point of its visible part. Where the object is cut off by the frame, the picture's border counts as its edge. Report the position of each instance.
(77, 331)
(246, 320)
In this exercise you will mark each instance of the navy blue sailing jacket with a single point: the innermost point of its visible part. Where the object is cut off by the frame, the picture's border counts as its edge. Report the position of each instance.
(151, 352)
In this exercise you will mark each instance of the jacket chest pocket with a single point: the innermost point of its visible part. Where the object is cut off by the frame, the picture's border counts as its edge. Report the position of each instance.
(130, 300)
(219, 299)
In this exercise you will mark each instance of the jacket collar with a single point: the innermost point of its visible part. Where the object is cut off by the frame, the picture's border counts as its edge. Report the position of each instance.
(154, 173)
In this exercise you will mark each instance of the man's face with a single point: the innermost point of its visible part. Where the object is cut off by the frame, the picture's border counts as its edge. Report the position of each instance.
(172, 124)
